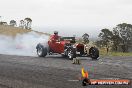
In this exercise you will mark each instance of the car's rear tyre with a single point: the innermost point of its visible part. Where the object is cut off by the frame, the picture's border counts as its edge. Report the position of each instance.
(41, 51)
(94, 52)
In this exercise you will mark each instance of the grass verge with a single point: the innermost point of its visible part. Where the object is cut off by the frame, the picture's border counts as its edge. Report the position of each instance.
(104, 53)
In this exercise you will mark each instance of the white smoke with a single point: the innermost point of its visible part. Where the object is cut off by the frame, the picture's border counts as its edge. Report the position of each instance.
(22, 44)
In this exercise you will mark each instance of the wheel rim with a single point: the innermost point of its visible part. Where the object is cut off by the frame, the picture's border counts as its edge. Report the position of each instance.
(70, 54)
(40, 51)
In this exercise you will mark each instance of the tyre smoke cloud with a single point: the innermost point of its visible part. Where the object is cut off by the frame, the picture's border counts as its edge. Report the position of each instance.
(22, 44)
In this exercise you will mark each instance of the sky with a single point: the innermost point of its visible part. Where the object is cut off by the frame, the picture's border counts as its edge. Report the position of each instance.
(69, 17)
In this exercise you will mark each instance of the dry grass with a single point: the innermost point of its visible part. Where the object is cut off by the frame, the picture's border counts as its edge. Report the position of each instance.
(13, 31)
(104, 53)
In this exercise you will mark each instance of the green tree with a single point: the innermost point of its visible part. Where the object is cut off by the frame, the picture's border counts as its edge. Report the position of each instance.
(99, 43)
(13, 23)
(115, 39)
(28, 22)
(124, 31)
(3, 23)
(85, 38)
(105, 36)
(21, 24)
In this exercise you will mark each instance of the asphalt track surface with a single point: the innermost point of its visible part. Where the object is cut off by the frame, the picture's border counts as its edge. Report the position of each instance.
(58, 72)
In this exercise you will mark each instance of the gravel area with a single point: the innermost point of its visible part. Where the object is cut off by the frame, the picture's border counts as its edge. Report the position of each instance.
(58, 72)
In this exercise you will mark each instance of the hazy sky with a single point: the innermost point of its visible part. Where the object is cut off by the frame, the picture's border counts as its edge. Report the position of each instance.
(80, 16)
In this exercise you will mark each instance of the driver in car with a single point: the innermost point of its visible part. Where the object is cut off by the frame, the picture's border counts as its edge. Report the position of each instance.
(55, 37)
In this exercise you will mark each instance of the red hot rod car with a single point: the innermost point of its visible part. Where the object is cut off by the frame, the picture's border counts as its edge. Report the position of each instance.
(67, 47)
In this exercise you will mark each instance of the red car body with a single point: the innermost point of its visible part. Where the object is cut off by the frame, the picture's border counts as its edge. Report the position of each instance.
(56, 45)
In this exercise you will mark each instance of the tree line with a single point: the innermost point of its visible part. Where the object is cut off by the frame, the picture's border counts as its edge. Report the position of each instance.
(25, 23)
(119, 37)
